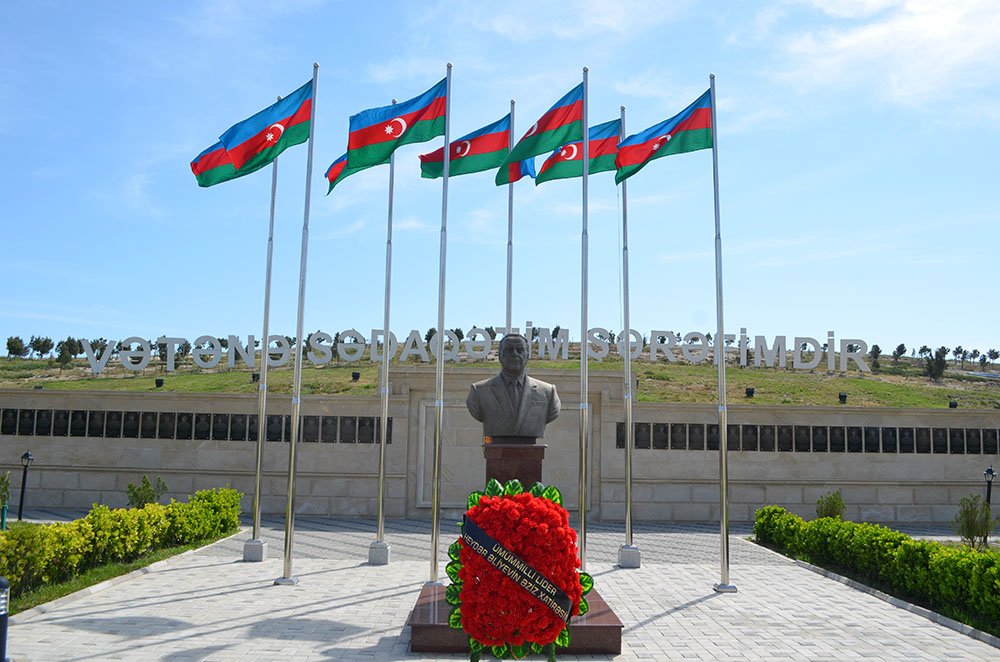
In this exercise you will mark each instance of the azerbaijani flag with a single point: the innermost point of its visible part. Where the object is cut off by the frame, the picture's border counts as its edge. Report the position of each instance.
(338, 172)
(213, 167)
(567, 161)
(377, 132)
(561, 124)
(256, 141)
(688, 131)
(513, 172)
(480, 150)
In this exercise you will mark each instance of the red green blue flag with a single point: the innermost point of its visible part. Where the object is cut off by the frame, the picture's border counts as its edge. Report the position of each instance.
(484, 149)
(213, 167)
(567, 161)
(377, 132)
(513, 172)
(338, 172)
(561, 124)
(257, 141)
(688, 131)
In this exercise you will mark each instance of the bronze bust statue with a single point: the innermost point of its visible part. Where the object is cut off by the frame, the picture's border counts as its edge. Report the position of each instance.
(513, 407)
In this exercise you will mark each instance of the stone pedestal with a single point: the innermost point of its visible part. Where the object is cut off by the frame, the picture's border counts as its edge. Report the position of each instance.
(597, 631)
(508, 461)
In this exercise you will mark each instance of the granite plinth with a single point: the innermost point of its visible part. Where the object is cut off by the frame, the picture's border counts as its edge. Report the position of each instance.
(509, 461)
(597, 631)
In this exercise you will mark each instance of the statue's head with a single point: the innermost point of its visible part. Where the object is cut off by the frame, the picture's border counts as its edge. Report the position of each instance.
(514, 353)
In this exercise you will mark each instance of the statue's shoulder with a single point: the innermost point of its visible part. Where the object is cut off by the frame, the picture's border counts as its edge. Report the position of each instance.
(485, 382)
(539, 384)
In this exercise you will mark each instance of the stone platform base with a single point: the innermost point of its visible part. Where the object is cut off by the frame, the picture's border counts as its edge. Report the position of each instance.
(597, 631)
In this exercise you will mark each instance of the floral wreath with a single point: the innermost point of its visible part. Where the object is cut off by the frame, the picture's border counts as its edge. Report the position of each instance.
(500, 616)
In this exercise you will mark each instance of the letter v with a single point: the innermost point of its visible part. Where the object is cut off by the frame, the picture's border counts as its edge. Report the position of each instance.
(97, 364)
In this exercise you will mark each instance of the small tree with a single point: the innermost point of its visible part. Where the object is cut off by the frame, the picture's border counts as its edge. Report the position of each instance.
(898, 352)
(458, 333)
(957, 352)
(936, 365)
(16, 347)
(64, 352)
(492, 332)
(430, 334)
(145, 492)
(974, 522)
(924, 351)
(4, 488)
(993, 354)
(982, 362)
(830, 504)
(875, 352)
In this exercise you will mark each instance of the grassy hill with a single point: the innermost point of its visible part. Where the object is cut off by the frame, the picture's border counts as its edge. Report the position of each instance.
(900, 385)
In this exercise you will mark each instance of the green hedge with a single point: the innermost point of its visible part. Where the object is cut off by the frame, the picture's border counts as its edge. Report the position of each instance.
(33, 555)
(959, 582)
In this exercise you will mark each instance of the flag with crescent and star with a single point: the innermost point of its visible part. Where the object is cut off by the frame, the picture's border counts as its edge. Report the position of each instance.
(377, 132)
(561, 124)
(338, 172)
(213, 167)
(483, 149)
(567, 161)
(257, 141)
(688, 131)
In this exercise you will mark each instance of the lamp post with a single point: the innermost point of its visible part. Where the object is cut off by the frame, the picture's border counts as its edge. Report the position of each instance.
(26, 461)
(989, 475)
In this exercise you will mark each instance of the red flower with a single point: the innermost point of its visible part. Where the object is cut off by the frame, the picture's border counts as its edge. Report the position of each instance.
(495, 610)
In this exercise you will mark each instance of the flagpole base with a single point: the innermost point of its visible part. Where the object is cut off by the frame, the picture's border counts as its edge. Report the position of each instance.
(378, 553)
(629, 557)
(254, 550)
(286, 581)
(725, 588)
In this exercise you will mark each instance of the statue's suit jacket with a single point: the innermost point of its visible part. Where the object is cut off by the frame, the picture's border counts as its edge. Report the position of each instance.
(488, 402)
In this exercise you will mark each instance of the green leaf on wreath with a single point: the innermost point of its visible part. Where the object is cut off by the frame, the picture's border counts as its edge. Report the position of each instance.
(553, 494)
(453, 551)
(586, 583)
(453, 593)
(536, 648)
(494, 487)
(452, 570)
(513, 487)
(563, 639)
(536, 491)
(474, 657)
(455, 618)
(552, 652)
(519, 652)
(473, 500)
(584, 606)
(499, 652)
(475, 646)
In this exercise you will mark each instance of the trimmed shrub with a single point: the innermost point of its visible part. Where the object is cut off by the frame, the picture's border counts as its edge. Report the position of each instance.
(961, 583)
(830, 505)
(33, 555)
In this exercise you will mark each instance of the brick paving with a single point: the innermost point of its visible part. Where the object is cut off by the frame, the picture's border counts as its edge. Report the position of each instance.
(209, 605)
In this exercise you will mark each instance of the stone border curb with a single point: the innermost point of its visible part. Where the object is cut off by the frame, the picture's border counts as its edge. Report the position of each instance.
(35, 612)
(933, 616)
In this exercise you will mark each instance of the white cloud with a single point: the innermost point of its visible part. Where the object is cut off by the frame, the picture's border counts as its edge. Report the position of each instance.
(912, 53)
(412, 224)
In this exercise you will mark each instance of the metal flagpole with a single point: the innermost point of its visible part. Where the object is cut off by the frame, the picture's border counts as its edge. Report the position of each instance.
(584, 344)
(628, 555)
(286, 577)
(378, 552)
(720, 358)
(510, 221)
(439, 372)
(255, 549)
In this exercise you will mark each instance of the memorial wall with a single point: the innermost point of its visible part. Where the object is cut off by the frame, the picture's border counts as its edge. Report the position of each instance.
(891, 465)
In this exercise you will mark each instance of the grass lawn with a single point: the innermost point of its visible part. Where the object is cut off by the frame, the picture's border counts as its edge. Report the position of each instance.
(896, 385)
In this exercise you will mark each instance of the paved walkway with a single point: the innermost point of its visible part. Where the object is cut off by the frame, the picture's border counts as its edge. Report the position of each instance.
(209, 605)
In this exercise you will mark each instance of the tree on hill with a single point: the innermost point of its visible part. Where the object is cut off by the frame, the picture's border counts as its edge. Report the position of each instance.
(982, 362)
(875, 352)
(957, 352)
(924, 351)
(41, 346)
(65, 351)
(430, 334)
(16, 347)
(936, 365)
(458, 333)
(898, 352)
(974, 355)
(492, 332)
(993, 354)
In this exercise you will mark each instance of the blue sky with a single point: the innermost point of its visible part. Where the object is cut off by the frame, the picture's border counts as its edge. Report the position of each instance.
(858, 145)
